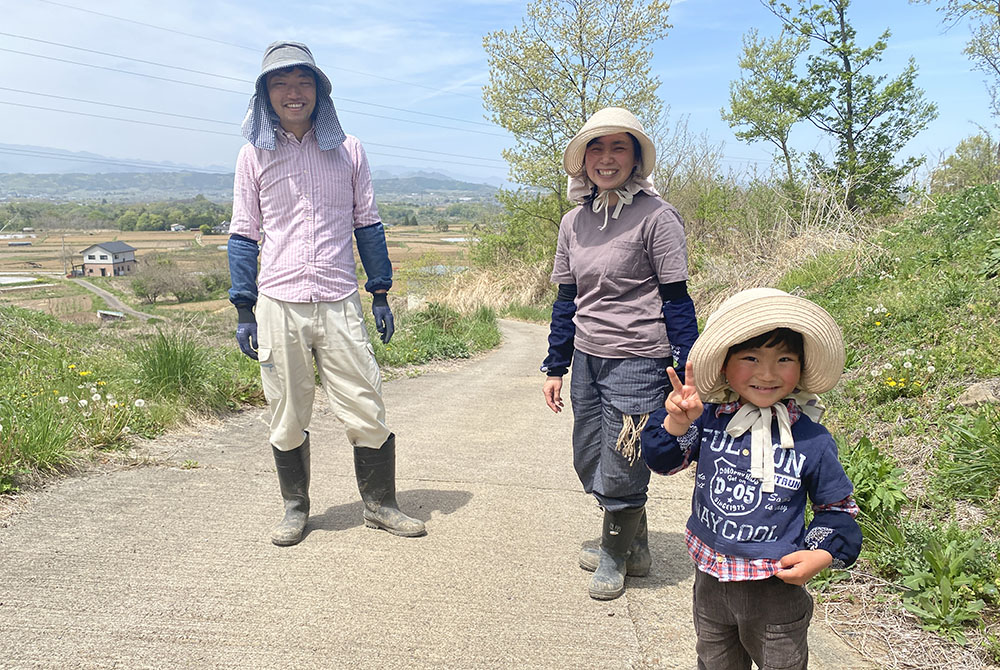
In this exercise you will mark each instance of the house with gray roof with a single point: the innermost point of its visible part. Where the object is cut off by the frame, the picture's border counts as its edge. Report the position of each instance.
(109, 259)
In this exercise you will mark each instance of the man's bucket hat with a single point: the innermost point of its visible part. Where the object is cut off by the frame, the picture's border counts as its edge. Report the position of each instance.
(260, 121)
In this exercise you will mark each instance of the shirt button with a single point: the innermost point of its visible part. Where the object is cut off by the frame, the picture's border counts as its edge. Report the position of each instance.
(746, 452)
(720, 558)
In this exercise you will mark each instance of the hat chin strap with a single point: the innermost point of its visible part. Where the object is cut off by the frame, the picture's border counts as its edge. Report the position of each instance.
(758, 421)
(624, 198)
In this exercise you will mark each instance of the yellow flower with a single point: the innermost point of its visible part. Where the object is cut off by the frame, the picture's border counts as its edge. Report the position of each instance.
(878, 323)
(72, 366)
(84, 373)
(891, 383)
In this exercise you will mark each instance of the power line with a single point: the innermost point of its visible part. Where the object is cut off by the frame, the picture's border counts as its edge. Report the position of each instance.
(227, 90)
(195, 118)
(82, 159)
(222, 76)
(256, 50)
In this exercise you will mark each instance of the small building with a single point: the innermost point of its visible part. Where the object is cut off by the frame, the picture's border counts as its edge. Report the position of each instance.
(109, 259)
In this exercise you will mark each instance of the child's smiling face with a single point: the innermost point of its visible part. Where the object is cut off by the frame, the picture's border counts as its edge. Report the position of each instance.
(763, 375)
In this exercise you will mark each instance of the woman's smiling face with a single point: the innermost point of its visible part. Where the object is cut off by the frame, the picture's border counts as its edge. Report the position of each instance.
(610, 160)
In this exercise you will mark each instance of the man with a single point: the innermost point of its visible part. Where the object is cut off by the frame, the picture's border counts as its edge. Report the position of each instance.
(302, 187)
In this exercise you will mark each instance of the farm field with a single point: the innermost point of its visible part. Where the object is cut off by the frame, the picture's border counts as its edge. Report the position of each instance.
(419, 254)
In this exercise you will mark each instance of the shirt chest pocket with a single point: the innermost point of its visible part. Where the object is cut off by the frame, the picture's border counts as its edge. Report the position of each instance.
(626, 259)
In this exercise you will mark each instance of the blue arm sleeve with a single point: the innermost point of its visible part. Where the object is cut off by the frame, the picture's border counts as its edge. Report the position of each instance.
(838, 533)
(242, 253)
(664, 453)
(374, 257)
(562, 332)
(682, 329)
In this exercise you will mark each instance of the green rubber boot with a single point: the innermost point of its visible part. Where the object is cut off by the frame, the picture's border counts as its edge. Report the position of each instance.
(376, 472)
(293, 477)
(637, 562)
(619, 530)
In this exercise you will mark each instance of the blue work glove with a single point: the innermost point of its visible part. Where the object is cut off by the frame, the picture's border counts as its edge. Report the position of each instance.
(384, 323)
(246, 332)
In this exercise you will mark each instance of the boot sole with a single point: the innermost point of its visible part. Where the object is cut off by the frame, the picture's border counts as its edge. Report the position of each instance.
(285, 543)
(401, 533)
(606, 595)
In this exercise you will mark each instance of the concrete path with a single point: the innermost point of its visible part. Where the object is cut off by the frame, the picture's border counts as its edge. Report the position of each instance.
(167, 567)
(113, 301)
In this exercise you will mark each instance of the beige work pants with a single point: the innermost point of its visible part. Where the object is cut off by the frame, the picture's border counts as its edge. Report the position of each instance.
(291, 338)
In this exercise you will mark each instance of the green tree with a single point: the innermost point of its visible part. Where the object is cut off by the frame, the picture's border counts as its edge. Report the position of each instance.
(761, 102)
(976, 162)
(568, 59)
(868, 117)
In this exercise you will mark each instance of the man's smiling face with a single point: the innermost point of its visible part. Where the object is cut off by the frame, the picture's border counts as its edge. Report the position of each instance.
(292, 94)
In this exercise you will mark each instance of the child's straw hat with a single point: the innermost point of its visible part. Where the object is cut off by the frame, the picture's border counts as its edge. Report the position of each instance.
(760, 310)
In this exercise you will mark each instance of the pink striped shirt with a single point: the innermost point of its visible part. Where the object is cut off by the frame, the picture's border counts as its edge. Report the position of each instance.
(305, 204)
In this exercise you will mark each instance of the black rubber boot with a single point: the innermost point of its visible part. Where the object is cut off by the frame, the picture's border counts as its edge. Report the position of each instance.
(637, 562)
(293, 477)
(619, 530)
(376, 472)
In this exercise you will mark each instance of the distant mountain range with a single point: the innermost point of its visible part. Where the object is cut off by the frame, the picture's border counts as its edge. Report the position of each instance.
(30, 172)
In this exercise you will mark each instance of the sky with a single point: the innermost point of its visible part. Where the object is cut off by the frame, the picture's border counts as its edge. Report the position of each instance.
(147, 80)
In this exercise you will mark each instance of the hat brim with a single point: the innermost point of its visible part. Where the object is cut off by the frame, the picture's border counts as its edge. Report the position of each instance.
(577, 148)
(823, 343)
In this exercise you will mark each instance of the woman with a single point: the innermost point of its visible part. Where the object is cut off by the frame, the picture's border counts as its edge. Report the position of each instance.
(622, 315)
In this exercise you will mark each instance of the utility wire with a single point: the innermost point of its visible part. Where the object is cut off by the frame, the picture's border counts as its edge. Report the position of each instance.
(82, 159)
(256, 50)
(222, 76)
(227, 90)
(195, 118)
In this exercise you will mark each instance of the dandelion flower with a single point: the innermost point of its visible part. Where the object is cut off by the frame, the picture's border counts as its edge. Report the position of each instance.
(876, 372)
(63, 399)
(910, 352)
(93, 389)
(891, 383)
(931, 369)
(71, 366)
(868, 309)
(96, 397)
(140, 402)
(81, 402)
(878, 323)
(907, 365)
(887, 366)
(126, 430)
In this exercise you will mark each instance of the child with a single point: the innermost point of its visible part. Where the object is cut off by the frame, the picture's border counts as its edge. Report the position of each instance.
(763, 356)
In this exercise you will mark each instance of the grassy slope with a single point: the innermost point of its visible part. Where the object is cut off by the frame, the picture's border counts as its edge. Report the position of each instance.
(920, 320)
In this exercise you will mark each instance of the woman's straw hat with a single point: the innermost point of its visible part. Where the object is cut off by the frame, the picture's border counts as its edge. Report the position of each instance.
(609, 121)
(760, 310)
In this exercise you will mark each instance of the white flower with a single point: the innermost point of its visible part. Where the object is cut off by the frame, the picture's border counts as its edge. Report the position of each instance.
(887, 366)
(1, 427)
(93, 389)
(931, 368)
(126, 430)
(82, 402)
(79, 386)
(910, 352)
(63, 399)
(907, 365)
(876, 372)
(96, 397)
(868, 309)
(110, 398)
(140, 402)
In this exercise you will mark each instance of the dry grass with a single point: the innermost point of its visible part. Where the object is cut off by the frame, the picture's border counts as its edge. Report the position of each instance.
(519, 284)
(883, 632)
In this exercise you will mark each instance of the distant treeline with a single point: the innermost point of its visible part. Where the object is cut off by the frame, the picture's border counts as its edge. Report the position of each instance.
(39, 214)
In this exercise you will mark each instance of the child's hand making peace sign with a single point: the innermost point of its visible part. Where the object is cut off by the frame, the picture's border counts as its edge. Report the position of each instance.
(683, 404)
